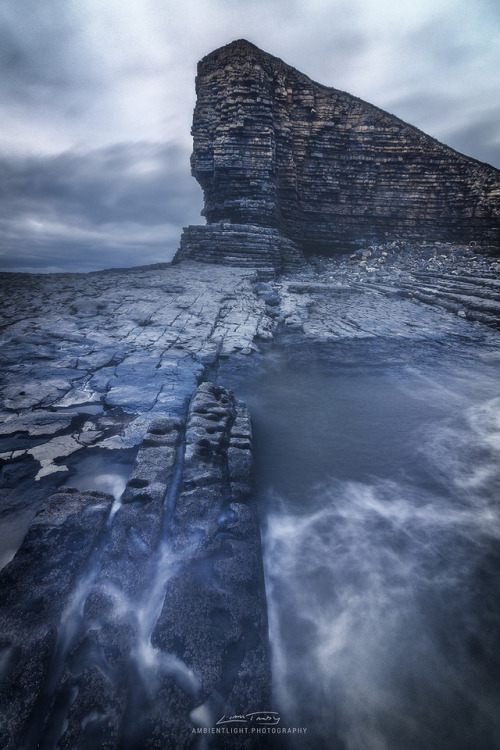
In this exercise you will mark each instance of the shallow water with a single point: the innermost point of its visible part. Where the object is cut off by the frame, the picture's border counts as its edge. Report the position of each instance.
(379, 493)
(99, 472)
(379, 489)
(13, 529)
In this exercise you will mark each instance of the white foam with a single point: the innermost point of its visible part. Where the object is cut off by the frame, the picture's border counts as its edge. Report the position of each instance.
(358, 594)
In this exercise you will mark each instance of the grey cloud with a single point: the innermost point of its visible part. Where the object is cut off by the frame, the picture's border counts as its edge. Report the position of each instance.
(454, 123)
(436, 42)
(76, 72)
(429, 111)
(133, 198)
(125, 181)
(45, 253)
(422, 105)
(492, 7)
(121, 74)
(39, 47)
(481, 139)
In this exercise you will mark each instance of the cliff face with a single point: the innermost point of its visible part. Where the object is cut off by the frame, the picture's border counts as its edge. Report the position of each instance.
(326, 170)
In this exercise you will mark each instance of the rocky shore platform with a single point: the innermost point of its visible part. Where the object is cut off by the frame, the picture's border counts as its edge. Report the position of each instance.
(132, 606)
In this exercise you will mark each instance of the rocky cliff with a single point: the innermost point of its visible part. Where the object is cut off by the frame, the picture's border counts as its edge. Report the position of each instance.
(323, 169)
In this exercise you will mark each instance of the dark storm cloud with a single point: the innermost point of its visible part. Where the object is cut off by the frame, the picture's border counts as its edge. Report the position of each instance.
(36, 38)
(141, 182)
(121, 205)
(97, 98)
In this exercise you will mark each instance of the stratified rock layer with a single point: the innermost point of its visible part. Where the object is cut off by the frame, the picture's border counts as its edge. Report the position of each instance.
(134, 625)
(325, 169)
(240, 245)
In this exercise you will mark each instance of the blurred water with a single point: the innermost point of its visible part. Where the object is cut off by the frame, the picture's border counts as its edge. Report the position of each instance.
(381, 506)
(99, 472)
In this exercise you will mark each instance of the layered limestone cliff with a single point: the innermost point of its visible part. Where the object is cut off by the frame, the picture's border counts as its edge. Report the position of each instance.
(323, 169)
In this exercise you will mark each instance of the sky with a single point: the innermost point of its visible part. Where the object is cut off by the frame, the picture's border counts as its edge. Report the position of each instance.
(97, 97)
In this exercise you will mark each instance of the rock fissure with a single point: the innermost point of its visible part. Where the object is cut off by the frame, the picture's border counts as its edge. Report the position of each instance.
(182, 552)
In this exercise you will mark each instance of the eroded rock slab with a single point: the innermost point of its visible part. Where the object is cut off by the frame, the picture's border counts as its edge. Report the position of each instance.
(79, 378)
(40, 594)
(90, 360)
(223, 578)
(132, 624)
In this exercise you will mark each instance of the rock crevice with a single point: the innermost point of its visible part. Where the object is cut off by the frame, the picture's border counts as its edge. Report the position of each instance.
(145, 620)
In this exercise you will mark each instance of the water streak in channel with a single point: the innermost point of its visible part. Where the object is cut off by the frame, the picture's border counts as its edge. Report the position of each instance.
(100, 473)
(58, 702)
(137, 610)
(150, 660)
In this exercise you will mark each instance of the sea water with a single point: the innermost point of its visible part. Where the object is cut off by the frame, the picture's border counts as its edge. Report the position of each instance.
(379, 493)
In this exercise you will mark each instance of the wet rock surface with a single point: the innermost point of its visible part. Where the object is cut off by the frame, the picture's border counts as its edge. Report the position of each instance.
(223, 578)
(89, 361)
(132, 600)
(38, 591)
(133, 624)
(129, 624)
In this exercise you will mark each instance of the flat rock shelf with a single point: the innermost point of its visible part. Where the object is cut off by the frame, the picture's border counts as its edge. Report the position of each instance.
(133, 606)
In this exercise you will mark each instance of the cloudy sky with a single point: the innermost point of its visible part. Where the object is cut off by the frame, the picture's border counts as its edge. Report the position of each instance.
(97, 97)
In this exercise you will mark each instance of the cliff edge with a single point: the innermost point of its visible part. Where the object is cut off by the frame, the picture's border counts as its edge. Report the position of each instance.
(316, 170)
